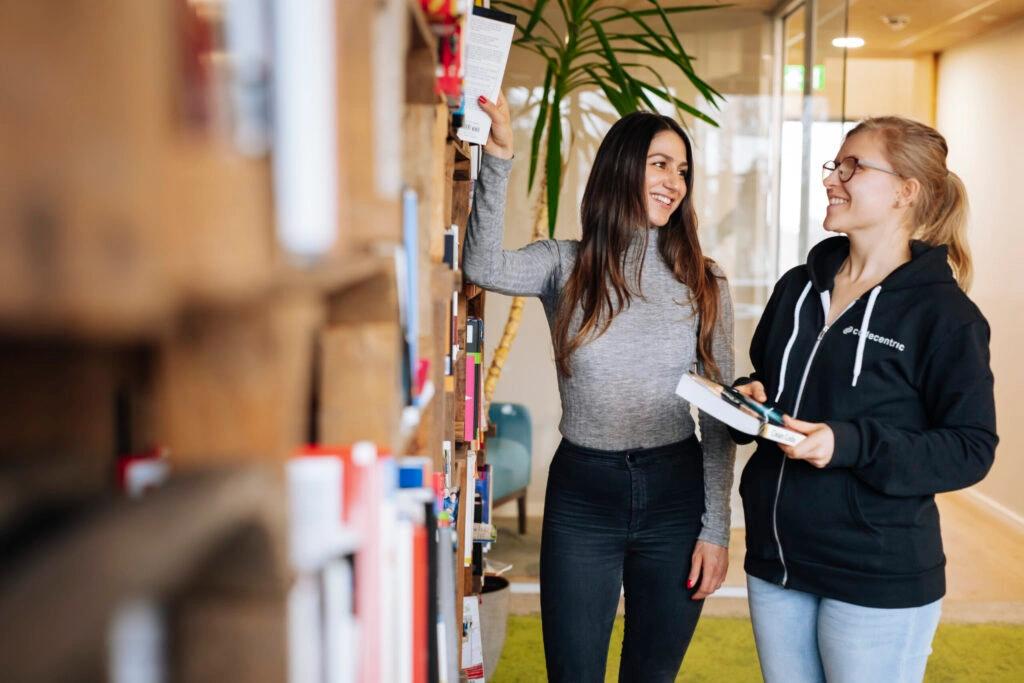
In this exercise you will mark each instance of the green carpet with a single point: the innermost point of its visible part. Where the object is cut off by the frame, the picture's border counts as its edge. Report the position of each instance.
(723, 650)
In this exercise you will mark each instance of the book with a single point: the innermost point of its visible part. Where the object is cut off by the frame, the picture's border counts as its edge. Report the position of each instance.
(447, 629)
(305, 106)
(451, 247)
(469, 424)
(453, 332)
(488, 39)
(410, 286)
(468, 493)
(740, 412)
(474, 350)
(472, 645)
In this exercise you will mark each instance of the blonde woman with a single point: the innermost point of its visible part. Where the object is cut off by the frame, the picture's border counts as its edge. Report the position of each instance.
(881, 359)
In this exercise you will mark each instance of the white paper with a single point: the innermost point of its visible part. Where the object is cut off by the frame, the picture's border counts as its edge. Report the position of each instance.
(487, 44)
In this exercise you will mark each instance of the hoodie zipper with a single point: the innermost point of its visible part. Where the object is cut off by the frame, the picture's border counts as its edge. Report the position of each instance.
(796, 410)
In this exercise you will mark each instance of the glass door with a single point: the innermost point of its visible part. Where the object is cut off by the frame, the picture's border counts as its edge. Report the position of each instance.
(810, 121)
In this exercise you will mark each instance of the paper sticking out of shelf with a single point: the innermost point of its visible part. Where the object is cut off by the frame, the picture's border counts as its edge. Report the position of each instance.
(488, 40)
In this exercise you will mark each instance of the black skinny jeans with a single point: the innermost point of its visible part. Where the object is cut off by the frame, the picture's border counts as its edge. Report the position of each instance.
(614, 520)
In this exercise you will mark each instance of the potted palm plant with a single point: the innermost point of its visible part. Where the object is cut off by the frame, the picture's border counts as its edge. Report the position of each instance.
(595, 45)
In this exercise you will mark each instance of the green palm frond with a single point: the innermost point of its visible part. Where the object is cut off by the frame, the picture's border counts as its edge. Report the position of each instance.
(596, 47)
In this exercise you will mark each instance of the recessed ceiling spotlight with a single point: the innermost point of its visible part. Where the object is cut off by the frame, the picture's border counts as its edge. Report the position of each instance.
(897, 22)
(848, 42)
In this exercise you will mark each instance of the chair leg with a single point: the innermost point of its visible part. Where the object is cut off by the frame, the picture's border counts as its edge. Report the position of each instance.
(521, 504)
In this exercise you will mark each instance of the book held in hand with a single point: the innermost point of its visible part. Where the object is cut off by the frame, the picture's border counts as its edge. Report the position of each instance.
(740, 412)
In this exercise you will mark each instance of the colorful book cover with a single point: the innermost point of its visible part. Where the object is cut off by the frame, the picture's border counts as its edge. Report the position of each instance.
(470, 412)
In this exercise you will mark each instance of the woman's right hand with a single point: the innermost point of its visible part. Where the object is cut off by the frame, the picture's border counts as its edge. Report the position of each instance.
(499, 141)
(754, 390)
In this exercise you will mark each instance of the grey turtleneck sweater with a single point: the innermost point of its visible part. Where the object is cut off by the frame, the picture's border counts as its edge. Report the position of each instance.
(621, 394)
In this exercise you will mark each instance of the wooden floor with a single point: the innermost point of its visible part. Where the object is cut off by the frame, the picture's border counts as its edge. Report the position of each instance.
(984, 572)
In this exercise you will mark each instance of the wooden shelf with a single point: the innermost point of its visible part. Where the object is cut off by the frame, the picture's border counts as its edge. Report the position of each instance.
(462, 149)
(219, 528)
(154, 299)
(420, 35)
(421, 61)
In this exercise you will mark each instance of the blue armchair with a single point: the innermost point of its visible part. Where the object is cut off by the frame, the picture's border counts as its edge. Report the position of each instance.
(509, 452)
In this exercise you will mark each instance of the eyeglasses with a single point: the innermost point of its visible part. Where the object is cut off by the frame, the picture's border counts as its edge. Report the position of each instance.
(848, 166)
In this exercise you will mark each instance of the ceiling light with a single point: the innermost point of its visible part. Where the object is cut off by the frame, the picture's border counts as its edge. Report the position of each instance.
(848, 42)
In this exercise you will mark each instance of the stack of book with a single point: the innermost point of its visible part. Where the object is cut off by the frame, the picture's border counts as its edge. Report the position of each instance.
(375, 588)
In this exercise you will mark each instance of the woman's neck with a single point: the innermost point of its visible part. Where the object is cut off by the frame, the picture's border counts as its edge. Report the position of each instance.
(873, 256)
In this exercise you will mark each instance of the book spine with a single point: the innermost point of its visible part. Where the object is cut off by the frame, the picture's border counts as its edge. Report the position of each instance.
(470, 406)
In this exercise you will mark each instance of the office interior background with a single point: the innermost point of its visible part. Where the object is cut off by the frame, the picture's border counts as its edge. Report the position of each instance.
(790, 94)
(188, 322)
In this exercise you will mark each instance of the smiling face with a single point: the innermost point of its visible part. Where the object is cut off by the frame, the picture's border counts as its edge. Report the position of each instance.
(665, 177)
(870, 197)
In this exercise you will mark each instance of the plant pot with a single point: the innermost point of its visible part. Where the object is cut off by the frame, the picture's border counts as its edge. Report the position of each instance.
(493, 620)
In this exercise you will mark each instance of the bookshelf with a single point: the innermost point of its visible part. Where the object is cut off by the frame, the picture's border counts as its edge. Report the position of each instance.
(147, 299)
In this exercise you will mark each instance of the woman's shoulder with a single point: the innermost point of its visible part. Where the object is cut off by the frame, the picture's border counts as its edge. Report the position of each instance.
(951, 306)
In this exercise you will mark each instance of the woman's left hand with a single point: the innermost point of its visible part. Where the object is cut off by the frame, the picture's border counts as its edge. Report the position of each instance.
(817, 448)
(708, 565)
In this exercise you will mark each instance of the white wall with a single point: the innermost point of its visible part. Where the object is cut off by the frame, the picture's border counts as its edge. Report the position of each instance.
(979, 105)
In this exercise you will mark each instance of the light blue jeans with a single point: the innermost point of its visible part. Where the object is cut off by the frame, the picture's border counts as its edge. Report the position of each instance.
(803, 638)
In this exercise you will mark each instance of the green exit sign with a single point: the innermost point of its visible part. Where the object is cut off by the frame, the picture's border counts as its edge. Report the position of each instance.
(793, 77)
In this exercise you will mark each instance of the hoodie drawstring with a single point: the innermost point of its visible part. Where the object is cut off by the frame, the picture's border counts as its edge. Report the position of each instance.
(863, 337)
(792, 340)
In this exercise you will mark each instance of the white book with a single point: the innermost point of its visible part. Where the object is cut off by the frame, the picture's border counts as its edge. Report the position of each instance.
(719, 402)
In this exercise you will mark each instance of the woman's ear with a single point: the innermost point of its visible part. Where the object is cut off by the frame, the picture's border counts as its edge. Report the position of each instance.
(908, 192)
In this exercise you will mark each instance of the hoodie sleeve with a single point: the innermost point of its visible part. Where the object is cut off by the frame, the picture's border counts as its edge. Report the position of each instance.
(959, 447)
(529, 271)
(719, 450)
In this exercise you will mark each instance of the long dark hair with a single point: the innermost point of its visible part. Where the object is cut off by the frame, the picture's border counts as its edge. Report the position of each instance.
(614, 208)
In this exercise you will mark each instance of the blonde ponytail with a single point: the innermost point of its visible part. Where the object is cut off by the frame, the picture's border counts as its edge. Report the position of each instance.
(948, 225)
(939, 215)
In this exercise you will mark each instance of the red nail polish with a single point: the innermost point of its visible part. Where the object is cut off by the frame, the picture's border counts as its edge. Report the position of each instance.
(483, 100)
(689, 583)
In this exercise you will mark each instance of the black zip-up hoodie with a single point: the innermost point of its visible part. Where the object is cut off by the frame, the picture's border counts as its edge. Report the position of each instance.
(902, 377)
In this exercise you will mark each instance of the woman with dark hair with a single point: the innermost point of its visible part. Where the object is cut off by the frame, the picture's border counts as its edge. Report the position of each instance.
(634, 502)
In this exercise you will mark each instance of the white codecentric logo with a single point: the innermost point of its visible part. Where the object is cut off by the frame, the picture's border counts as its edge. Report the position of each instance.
(891, 343)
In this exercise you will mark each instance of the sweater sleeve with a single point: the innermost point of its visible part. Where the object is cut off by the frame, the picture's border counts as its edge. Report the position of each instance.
(719, 449)
(529, 271)
(956, 450)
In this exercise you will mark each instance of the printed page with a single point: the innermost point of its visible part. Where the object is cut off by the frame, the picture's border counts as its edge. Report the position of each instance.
(488, 40)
